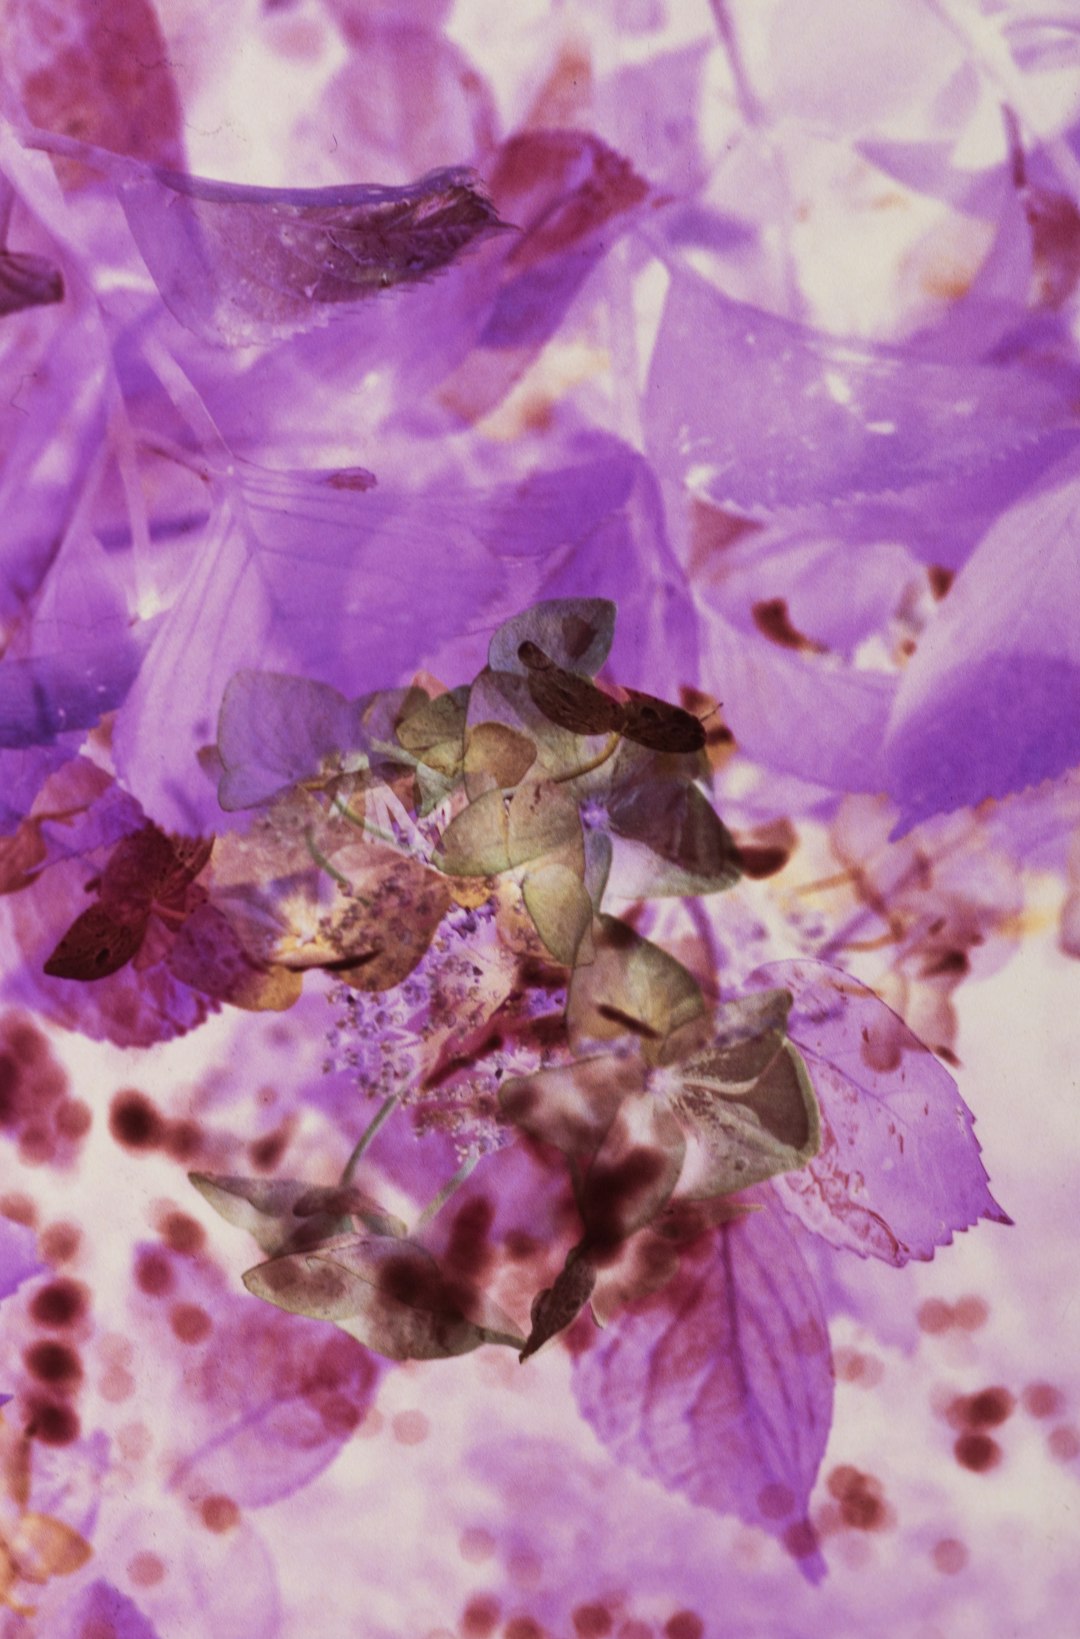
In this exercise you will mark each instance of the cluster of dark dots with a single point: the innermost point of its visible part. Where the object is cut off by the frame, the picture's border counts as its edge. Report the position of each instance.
(54, 1363)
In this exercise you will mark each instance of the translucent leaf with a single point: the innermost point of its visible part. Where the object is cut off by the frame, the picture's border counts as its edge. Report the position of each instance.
(477, 841)
(806, 418)
(720, 1385)
(496, 757)
(98, 942)
(752, 1110)
(554, 1308)
(686, 847)
(241, 265)
(568, 699)
(283, 1214)
(274, 731)
(387, 1293)
(208, 955)
(660, 726)
(631, 989)
(28, 281)
(574, 633)
(898, 1171)
(632, 1175)
(434, 733)
(44, 1547)
(561, 910)
(572, 1107)
(990, 701)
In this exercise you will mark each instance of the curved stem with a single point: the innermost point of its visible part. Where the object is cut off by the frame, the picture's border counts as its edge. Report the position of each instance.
(367, 1138)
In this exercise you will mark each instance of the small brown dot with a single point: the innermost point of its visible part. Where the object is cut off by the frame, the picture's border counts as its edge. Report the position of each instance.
(54, 1363)
(134, 1122)
(20, 1209)
(219, 1513)
(183, 1140)
(190, 1323)
(934, 1316)
(73, 1118)
(411, 1428)
(800, 1539)
(59, 1304)
(684, 1625)
(970, 1313)
(978, 1452)
(59, 1242)
(990, 1407)
(182, 1234)
(153, 1272)
(949, 1556)
(146, 1570)
(476, 1544)
(1063, 1443)
(53, 1425)
(479, 1617)
(592, 1621)
(1042, 1400)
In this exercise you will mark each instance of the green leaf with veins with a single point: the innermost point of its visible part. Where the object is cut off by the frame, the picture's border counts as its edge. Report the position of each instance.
(390, 1294)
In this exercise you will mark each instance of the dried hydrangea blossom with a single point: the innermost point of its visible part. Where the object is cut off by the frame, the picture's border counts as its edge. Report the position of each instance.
(778, 360)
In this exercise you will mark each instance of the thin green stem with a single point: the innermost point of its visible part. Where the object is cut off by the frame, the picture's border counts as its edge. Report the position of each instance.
(323, 863)
(367, 1138)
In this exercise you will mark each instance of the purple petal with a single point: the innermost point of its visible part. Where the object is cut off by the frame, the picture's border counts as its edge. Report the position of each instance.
(18, 1256)
(898, 1172)
(104, 1609)
(720, 1386)
(990, 703)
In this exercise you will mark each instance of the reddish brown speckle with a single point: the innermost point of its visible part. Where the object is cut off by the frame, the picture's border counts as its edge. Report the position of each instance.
(183, 1140)
(60, 1242)
(153, 1272)
(479, 1617)
(684, 1625)
(949, 1556)
(591, 1621)
(134, 1122)
(773, 621)
(266, 1152)
(146, 1570)
(523, 1627)
(934, 1316)
(59, 1304)
(53, 1425)
(940, 580)
(476, 1544)
(970, 1312)
(800, 1539)
(190, 1323)
(219, 1513)
(19, 1208)
(978, 1452)
(1042, 1400)
(54, 1363)
(73, 1118)
(182, 1234)
(411, 1428)
(759, 863)
(776, 1501)
(862, 1502)
(852, 1367)
(1063, 1443)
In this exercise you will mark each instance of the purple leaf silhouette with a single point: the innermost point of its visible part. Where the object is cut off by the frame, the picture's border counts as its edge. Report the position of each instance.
(720, 1385)
(105, 1610)
(898, 1172)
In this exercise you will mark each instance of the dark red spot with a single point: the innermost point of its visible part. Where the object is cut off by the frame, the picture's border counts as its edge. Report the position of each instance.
(591, 1621)
(153, 1272)
(940, 580)
(615, 1196)
(987, 1409)
(469, 1253)
(182, 1233)
(183, 1140)
(219, 1513)
(54, 1363)
(773, 621)
(759, 863)
(978, 1452)
(523, 1627)
(59, 1242)
(519, 1244)
(1042, 1400)
(634, 1026)
(946, 962)
(134, 1122)
(862, 1502)
(479, 1617)
(59, 1304)
(949, 1556)
(266, 1152)
(684, 1625)
(53, 1425)
(190, 1323)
